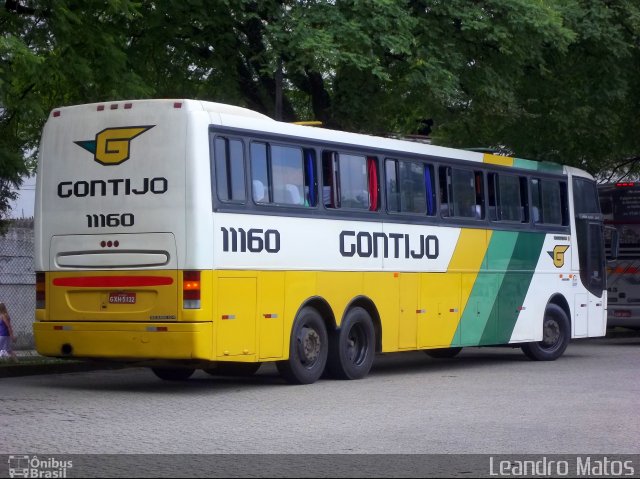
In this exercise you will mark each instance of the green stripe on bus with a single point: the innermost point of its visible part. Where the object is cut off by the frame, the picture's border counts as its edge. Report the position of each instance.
(513, 289)
(544, 166)
(484, 292)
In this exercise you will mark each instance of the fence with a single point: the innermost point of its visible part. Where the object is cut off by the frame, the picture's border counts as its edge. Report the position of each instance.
(17, 280)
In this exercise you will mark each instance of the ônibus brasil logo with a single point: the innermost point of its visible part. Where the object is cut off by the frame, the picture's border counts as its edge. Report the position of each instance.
(112, 145)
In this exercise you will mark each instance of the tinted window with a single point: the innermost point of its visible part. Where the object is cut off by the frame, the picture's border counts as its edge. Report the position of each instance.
(229, 169)
(354, 185)
(410, 187)
(549, 202)
(288, 175)
(585, 196)
(509, 198)
(259, 173)
(461, 193)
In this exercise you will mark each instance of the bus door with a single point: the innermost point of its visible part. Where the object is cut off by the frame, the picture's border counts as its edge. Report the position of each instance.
(590, 308)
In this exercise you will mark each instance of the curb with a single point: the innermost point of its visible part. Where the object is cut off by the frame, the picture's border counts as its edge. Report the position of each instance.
(11, 370)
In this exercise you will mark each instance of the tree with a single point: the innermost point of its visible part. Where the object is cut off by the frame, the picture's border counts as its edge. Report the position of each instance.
(549, 80)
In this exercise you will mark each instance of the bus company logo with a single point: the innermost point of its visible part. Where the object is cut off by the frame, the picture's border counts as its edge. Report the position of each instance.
(33, 466)
(558, 255)
(112, 145)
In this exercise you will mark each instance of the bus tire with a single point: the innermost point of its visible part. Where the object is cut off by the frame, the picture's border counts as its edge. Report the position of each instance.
(443, 353)
(308, 349)
(224, 368)
(556, 333)
(173, 374)
(352, 347)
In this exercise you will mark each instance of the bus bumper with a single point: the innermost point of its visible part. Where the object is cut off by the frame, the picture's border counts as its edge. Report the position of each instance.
(124, 341)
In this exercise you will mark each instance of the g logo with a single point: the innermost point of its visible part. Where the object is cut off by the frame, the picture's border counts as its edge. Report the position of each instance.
(111, 146)
(558, 255)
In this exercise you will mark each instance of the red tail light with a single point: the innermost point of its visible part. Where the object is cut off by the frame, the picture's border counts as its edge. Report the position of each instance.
(191, 289)
(40, 290)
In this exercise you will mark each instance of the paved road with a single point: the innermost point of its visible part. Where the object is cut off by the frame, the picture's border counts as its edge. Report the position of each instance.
(488, 400)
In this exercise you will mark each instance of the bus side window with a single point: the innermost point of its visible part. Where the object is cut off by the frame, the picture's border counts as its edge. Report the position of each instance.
(509, 200)
(353, 181)
(260, 173)
(280, 174)
(409, 187)
(229, 169)
(330, 179)
(466, 193)
(287, 175)
(549, 202)
(349, 181)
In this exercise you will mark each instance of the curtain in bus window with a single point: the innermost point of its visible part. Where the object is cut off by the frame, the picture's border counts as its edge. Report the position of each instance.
(373, 184)
(311, 182)
(428, 183)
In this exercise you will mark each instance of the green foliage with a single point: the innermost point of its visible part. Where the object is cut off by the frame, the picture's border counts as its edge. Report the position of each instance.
(549, 80)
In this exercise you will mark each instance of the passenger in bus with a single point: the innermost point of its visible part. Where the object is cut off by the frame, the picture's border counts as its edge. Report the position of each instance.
(293, 195)
(258, 191)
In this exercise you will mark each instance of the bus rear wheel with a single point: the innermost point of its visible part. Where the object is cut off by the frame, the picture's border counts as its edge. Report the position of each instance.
(443, 353)
(352, 347)
(556, 333)
(173, 374)
(308, 349)
(224, 368)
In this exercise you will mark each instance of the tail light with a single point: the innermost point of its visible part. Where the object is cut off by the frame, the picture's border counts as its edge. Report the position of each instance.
(41, 295)
(191, 290)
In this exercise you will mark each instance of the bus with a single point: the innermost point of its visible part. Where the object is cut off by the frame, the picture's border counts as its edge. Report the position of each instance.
(184, 235)
(620, 203)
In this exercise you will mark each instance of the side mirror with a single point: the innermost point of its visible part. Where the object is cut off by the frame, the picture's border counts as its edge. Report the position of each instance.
(615, 243)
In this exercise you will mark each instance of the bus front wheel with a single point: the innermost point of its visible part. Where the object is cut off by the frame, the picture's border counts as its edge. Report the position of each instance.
(556, 333)
(173, 374)
(308, 349)
(352, 347)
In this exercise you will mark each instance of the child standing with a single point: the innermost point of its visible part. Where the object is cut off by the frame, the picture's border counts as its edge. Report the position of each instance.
(6, 333)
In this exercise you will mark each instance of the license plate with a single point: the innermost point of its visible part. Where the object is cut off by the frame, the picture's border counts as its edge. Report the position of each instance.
(122, 298)
(622, 313)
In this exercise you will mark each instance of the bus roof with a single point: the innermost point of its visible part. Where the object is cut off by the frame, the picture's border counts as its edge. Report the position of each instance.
(239, 117)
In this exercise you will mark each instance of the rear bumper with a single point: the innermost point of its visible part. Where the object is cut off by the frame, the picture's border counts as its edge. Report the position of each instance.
(624, 315)
(124, 341)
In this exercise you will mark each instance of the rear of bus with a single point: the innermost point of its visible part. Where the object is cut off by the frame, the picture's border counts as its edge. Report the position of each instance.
(119, 184)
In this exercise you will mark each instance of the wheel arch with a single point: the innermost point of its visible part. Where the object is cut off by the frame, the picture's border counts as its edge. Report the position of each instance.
(322, 306)
(369, 306)
(560, 301)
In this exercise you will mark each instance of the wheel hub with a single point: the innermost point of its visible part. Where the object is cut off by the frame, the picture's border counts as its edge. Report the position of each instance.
(308, 345)
(551, 333)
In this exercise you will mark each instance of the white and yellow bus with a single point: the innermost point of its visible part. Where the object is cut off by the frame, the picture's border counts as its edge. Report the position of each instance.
(184, 234)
